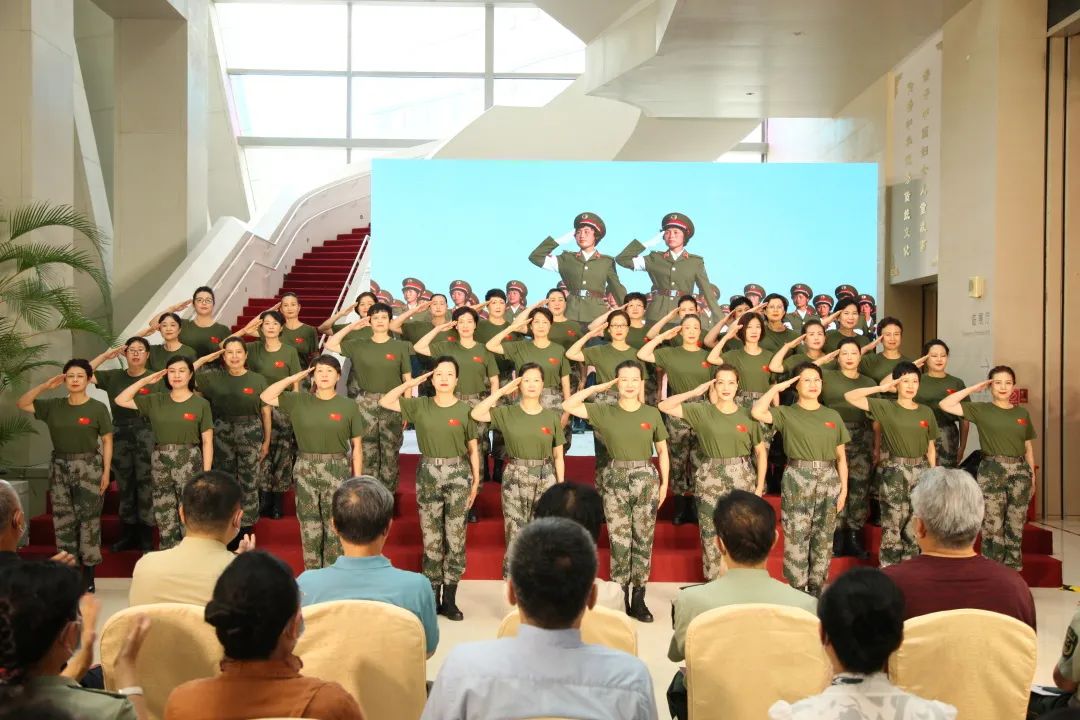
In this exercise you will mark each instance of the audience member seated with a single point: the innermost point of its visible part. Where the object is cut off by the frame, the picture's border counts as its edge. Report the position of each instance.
(546, 670)
(12, 525)
(949, 574)
(40, 628)
(582, 504)
(255, 610)
(1066, 678)
(862, 624)
(363, 510)
(211, 514)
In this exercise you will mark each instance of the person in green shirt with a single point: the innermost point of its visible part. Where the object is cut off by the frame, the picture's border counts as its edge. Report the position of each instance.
(202, 333)
(363, 303)
(183, 439)
(777, 329)
(634, 304)
(168, 325)
(879, 365)
(566, 332)
(814, 485)
(628, 485)
(79, 471)
(740, 305)
(1007, 470)
(728, 437)
(935, 386)
(298, 335)
(751, 360)
(812, 341)
(447, 478)
(909, 430)
(414, 323)
(687, 305)
(488, 328)
(846, 316)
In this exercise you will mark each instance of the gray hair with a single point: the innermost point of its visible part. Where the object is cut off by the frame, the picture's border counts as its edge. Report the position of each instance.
(950, 504)
(9, 503)
(363, 508)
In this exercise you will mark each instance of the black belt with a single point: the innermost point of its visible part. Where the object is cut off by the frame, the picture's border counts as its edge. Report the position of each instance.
(668, 293)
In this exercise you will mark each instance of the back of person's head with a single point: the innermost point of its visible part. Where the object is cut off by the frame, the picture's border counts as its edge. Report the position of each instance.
(950, 505)
(574, 501)
(210, 501)
(552, 570)
(254, 600)
(363, 508)
(862, 619)
(746, 524)
(9, 506)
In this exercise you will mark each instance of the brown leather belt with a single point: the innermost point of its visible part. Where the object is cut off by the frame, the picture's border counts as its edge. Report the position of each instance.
(527, 462)
(811, 464)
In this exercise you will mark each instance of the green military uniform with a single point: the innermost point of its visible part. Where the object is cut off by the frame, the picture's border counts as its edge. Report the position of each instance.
(565, 332)
(793, 318)
(809, 490)
(324, 432)
(907, 435)
(275, 366)
(1005, 477)
(476, 367)
(833, 338)
(859, 450)
(177, 456)
(304, 340)
(485, 330)
(773, 340)
(686, 369)
(551, 359)
(159, 356)
(754, 373)
(605, 359)
(203, 340)
(932, 391)
(588, 280)
(511, 312)
(443, 483)
(238, 431)
(133, 443)
(629, 487)
(879, 367)
(75, 700)
(75, 473)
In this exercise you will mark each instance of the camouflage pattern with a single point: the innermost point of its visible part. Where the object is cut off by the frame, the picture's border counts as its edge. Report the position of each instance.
(1006, 485)
(860, 451)
(237, 442)
(808, 507)
(522, 486)
(746, 399)
(317, 477)
(631, 496)
(381, 441)
(75, 482)
(600, 451)
(498, 444)
(652, 388)
(171, 467)
(133, 443)
(552, 399)
(947, 443)
(442, 492)
(277, 476)
(897, 519)
(685, 453)
(711, 481)
(483, 440)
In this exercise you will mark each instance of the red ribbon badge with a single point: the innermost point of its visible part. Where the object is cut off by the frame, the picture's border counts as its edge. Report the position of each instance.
(950, 391)
(571, 333)
(189, 416)
(451, 338)
(336, 417)
(84, 421)
(741, 428)
(830, 424)
(764, 368)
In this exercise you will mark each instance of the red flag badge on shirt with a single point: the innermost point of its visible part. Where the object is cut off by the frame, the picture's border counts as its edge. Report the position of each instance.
(189, 416)
(546, 430)
(646, 426)
(215, 340)
(391, 356)
(741, 428)
(477, 359)
(704, 363)
(924, 424)
(336, 417)
(249, 391)
(553, 361)
(84, 421)
(144, 390)
(1021, 421)
(298, 340)
(279, 363)
(453, 422)
(830, 424)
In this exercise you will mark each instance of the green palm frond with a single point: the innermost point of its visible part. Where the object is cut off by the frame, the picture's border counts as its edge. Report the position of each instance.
(27, 218)
(13, 427)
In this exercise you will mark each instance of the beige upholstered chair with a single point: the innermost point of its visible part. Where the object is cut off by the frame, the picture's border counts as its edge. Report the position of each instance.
(981, 662)
(600, 626)
(742, 658)
(375, 650)
(179, 646)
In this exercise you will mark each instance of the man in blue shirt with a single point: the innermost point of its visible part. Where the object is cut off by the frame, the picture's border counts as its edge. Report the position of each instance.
(546, 670)
(363, 510)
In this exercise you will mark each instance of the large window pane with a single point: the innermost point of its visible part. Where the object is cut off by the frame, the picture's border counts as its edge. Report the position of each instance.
(528, 93)
(272, 105)
(271, 169)
(529, 40)
(418, 37)
(279, 36)
(414, 107)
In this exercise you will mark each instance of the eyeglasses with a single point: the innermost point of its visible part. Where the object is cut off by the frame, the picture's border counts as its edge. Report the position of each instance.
(204, 300)
(617, 327)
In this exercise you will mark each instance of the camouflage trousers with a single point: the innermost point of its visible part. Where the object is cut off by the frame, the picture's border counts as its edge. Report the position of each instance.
(860, 466)
(652, 389)
(685, 452)
(277, 475)
(381, 441)
(237, 442)
(898, 479)
(808, 508)
(442, 492)
(602, 456)
(498, 444)
(713, 479)
(133, 443)
(1006, 485)
(522, 486)
(75, 486)
(483, 439)
(947, 444)
(317, 477)
(746, 399)
(551, 399)
(172, 466)
(631, 496)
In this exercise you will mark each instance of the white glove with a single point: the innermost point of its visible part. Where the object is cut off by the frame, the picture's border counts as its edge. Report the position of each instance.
(655, 239)
(565, 239)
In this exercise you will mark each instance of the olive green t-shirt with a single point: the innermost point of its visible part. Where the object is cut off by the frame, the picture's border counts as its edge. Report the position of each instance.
(772, 340)
(441, 432)
(686, 369)
(628, 435)
(810, 434)
(74, 428)
(605, 359)
(552, 359)
(793, 361)
(485, 330)
(159, 356)
(203, 340)
(114, 382)
(877, 366)
(322, 426)
(907, 433)
(232, 395)
(273, 366)
(635, 336)
(476, 365)
(413, 330)
(723, 435)
(933, 390)
(833, 338)
(754, 374)
(363, 333)
(378, 367)
(565, 332)
(304, 340)
(1001, 431)
(528, 437)
(833, 387)
(176, 423)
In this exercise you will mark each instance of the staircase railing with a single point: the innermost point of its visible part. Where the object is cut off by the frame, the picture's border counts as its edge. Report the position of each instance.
(347, 289)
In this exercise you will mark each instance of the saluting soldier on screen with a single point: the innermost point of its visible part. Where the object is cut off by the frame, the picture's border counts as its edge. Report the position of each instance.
(800, 298)
(516, 294)
(823, 303)
(460, 291)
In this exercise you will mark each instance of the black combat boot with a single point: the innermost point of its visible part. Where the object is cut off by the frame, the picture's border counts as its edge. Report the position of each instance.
(638, 609)
(129, 539)
(449, 604)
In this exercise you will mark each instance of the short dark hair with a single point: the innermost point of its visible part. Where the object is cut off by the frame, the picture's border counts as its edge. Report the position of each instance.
(635, 296)
(541, 311)
(232, 339)
(844, 304)
(559, 290)
(904, 367)
(690, 316)
(552, 569)
(366, 293)
(163, 316)
(210, 499)
(849, 341)
(329, 361)
(254, 599)
(530, 366)
(291, 294)
(686, 298)
(798, 369)
(362, 509)
(740, 300)
(812, 322)
(436, 362)
(495, 293)
(435, 295)
(626, 364)
(205, 289)
(1001, 369)
(862, 617)
(37, 600)
(138, 339)
(79, 363)
(190, 366)
(574, 501)
(465, 310)
(776, 296)
(380, 307)
(926, 348)
(747, 525)
(726, 367)
(274, 315)
(745, 320)
(618, 313)
(887, 321)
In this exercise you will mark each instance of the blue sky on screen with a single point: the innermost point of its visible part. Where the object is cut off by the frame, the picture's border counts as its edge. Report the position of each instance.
(773, 224)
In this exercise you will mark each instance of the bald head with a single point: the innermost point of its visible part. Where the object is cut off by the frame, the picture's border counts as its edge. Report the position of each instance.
(10, 530)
